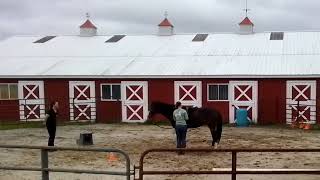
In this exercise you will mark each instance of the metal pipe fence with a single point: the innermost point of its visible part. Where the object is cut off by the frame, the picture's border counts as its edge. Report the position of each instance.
(234, 170)
(44, 168)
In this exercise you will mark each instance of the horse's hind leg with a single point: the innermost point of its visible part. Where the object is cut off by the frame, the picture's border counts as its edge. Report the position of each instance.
(212, 128)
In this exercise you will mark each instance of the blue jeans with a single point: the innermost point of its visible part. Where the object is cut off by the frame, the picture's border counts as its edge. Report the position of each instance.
(181, 132)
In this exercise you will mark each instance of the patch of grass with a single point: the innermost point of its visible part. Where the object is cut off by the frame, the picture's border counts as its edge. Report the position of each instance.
(65, 123)
(20, 125)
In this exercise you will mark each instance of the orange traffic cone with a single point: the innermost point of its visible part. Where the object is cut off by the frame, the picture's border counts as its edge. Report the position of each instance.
(307, 126)
(111, 157)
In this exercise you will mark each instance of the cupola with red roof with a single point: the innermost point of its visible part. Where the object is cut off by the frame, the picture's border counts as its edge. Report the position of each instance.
(88, 29)
(246, 25)
(165, 27)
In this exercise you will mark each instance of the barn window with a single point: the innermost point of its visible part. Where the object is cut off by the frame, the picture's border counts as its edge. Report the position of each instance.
(110, 92)
(44, 39)
(200, 37)
(8, 91)
(276, 36)
(217, 92)
(115, 38)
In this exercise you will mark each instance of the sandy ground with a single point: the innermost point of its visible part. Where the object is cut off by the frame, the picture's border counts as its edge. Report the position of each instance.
(134, 139)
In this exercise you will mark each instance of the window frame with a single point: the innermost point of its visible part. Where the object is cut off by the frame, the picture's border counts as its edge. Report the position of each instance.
(8, 87)
(109, 84)
(218, 84)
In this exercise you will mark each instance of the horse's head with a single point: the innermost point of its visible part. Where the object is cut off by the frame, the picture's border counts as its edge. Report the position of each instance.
(161, 108)
(156, 108)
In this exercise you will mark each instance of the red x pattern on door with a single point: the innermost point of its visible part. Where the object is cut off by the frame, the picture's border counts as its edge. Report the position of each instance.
(243, 95)
(301, 92)
(134, 93)
(304, 94)
(134, 101)
(302, 112)
(82, 100)
(32, 111)
(31, 100)
(135, 110)
(81, 92)
(31, 92)
(82, 112)
(188, 93)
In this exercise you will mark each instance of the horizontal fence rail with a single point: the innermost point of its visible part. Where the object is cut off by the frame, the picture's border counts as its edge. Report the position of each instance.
(234, 171)
(45, 161)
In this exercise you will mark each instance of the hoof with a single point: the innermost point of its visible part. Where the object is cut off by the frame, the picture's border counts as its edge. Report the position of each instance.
(215, 146)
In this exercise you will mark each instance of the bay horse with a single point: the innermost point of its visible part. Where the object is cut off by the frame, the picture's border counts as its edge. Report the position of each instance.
(197, 117)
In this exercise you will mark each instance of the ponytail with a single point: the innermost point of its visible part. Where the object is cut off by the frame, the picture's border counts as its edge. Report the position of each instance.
(178, 104)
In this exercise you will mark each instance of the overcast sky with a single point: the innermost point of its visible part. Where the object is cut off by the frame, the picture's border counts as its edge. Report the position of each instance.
(55, 17)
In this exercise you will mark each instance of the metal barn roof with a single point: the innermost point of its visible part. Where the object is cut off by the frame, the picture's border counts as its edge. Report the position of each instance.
(219, 55)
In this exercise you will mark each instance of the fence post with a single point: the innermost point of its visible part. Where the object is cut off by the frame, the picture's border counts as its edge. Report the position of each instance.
(44, 164)
(298, 111)
(234, 165)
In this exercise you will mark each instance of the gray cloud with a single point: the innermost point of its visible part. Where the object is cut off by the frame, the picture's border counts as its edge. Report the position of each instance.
(142, 16)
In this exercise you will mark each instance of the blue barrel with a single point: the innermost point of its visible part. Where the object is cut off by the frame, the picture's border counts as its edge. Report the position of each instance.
(241, 118)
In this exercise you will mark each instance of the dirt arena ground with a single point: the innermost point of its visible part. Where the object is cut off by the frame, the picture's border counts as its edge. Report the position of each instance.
(134, 139)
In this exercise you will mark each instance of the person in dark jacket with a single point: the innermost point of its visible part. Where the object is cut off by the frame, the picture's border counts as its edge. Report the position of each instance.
(51, 121)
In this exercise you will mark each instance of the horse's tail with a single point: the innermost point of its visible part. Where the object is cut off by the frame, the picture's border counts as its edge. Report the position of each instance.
(219, 127)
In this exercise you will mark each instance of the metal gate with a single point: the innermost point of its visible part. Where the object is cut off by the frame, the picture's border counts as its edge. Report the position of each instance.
(45, 169)
(233, 171)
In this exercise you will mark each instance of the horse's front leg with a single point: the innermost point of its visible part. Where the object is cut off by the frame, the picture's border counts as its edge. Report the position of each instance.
(214, 137)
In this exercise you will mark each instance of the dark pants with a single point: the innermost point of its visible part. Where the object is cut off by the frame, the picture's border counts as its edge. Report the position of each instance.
(52, 134)
(181, 132)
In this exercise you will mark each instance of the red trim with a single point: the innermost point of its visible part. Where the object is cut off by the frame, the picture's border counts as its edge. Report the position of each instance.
(165, 22)
(88, 24)
(246, 21)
